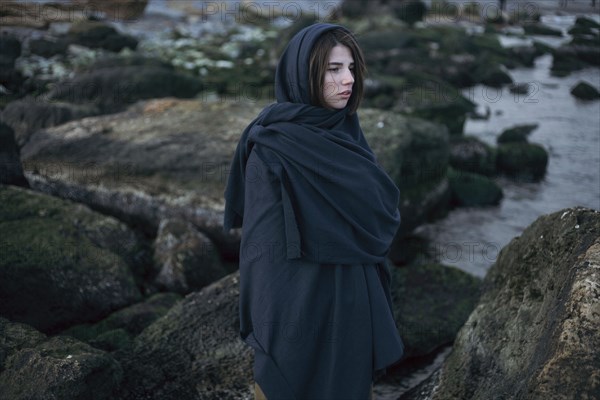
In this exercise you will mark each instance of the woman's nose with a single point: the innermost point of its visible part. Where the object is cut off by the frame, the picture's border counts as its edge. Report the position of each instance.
(348, 78)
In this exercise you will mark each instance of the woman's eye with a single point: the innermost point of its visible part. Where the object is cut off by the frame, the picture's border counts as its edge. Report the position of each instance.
(333, 69)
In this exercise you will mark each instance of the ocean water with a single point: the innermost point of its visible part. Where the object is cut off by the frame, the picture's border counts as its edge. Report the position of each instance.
(569, 129)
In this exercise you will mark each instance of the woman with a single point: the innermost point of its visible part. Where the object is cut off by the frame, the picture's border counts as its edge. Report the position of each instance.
(318, 215)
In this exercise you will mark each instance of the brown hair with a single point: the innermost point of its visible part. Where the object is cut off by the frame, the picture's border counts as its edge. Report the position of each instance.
(319, 59)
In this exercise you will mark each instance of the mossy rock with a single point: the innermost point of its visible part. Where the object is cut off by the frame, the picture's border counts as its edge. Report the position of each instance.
(585, 22)
(585, 91)
(522, 161)
(96, 34)
(518, 133)
(473, 190)
(468, 153)
(533, 334)
(62, 263)
(431, 302)
(541, 29)
(410, 11)
(109, 333)
(114, 88)
(34, 366)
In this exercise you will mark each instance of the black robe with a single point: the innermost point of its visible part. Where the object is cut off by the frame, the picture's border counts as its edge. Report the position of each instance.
(318, 215)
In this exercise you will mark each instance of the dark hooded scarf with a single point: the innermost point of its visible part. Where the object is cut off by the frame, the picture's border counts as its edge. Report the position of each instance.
(339, 205)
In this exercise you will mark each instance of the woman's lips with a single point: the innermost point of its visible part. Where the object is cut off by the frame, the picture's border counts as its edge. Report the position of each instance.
(345, 93)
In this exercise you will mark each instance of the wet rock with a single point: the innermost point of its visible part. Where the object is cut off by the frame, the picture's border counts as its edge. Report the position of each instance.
(522, 161)
(585, 91)
(516, 134)
(187, 260)
(114, 88)
(10, 50)
(30, 114)
(118, 329)
(192, 352)
(11, 170)
(540, 29)
(62, 263)
(48, 46)
(569, 58)
(473, 190)
(534, 333)
(96, 34)
(33, 366)
(468, 153)
(431, 302)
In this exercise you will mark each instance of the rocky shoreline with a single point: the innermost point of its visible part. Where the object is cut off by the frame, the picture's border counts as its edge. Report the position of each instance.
(115, 268)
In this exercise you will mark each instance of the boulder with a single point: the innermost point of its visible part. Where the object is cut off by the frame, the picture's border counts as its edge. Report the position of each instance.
(29, 114)
(468, 153)
(473, 190)
(10, 50)
(48, 46)
(522, 161)
(585, 91)
(192, 352)
(534, 333)
(537, 28)
(61, 262)
(431, 302)
(11, 170)
(97, 34)
(186, 258)
(118, 329)
(34, 366)
(517, 133)
(131, 175)
(112, 89)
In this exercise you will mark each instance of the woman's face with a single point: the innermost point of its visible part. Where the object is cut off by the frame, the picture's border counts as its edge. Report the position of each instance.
(339, 77)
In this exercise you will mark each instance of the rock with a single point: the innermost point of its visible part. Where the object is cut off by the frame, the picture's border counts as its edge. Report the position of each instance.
(473, 190)
(493, 77)
(585, 91)
(568, 58)
(431, 302)
(585, 22)
(48, 46)
(125, 10)
(96, 34)
(118, 329)
(193, 352)
(523, 161)
(409, 11)
(187, 259)
(540, 29)
(534, 333)
(10, 50)
(33, 366)
(517, 133)
(113, 89)
(132, 177)
(29, 114)
(11, 171)
(62, 263)
(526, 55)
(40, 15)
(468, 153)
